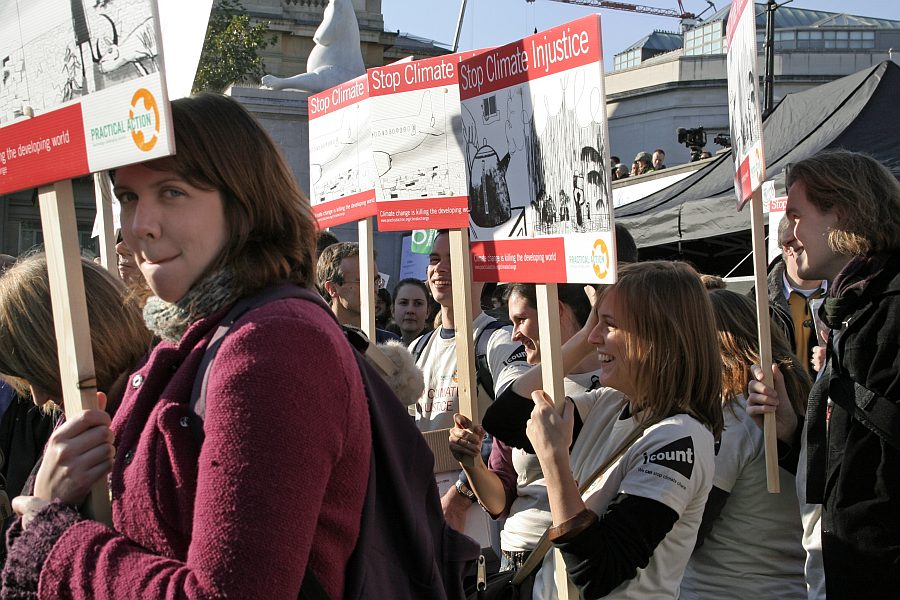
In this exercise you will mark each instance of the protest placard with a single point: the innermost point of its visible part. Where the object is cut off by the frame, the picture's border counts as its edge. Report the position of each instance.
(90, 73)
(342, 172)
(745, 117)
(417, 144)
(535, 132)
(749, 173)
(82, 91)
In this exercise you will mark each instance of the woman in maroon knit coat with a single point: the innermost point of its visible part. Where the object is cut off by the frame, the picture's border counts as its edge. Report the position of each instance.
(279, 481)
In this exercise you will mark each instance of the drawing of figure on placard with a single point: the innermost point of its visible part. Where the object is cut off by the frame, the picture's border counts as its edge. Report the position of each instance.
(580, 212)
(567, 155)
(410, 148)
(137, 48)
(72, 87)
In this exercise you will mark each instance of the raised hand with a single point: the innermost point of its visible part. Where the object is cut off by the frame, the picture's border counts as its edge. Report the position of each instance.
(465, 438)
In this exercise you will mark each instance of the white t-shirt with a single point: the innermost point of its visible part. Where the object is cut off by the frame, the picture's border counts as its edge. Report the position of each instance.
(811, 517)
(753, 549)
(529, 515)
(673, 463)
(440, 400)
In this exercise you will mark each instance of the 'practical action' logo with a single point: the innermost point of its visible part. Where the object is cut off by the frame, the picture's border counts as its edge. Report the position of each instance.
(678, 456)
(144, 96)
(600, 259)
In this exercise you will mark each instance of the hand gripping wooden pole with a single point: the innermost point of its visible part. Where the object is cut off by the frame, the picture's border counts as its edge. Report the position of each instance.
(765, 340)
(70, 318)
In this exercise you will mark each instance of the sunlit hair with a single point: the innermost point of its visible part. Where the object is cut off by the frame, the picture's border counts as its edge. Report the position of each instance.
(670, 342)
(738, 342)
(863, 193)
(570, 294)
(27, 338)
(271, 230)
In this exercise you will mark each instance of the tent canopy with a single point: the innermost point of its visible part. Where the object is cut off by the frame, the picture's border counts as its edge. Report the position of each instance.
(858, 112)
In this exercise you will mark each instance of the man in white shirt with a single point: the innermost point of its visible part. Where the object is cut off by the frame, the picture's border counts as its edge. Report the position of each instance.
(796, 296)
(437, 358)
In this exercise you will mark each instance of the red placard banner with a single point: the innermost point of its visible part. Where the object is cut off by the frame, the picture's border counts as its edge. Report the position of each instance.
(541, 259)
(545, 53)
(52, 145)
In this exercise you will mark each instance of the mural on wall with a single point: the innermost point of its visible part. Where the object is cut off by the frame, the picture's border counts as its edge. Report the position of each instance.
(56, 51)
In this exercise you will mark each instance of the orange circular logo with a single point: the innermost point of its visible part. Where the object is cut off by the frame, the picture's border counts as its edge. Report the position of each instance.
(601, 269)
(144, 95)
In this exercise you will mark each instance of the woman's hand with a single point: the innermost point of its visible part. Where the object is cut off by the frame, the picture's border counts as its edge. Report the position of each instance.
(77, 454)
(762, 399)
(27, 507)
(550, 432)
(465, 439)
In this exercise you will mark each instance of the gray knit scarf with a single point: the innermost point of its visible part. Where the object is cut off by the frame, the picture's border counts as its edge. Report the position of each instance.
(169, 320)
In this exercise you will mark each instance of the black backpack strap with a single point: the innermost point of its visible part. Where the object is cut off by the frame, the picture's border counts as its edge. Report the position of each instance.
(420, 345)
(482, 364)
(879, 414)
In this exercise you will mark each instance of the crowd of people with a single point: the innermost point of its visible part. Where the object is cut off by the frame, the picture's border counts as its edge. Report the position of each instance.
(649, 476)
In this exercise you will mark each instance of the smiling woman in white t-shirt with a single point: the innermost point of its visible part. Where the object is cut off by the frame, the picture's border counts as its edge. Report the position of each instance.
(631, 534)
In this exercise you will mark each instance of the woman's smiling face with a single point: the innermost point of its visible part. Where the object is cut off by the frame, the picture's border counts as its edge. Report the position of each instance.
(611, 342)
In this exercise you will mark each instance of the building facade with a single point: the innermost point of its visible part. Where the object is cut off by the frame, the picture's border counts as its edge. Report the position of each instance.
(652, 92)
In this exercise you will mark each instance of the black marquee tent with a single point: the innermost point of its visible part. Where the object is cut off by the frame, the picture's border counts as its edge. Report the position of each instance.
(859, 112)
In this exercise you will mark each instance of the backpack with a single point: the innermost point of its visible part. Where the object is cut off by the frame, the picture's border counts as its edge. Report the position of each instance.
(482, 365)
(405, 550)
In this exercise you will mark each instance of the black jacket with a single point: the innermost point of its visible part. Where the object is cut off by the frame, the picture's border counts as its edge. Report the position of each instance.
(854, 461)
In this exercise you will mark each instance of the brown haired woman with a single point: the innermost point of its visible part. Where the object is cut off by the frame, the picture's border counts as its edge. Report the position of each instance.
(234, 516)
(745, 529)
(632, 533)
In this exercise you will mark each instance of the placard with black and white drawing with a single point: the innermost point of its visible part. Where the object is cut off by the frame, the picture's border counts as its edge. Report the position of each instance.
(745, 117)
(535, 131)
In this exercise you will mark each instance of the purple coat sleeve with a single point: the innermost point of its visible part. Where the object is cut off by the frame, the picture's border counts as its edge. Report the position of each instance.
(500, 463)
(284, 462)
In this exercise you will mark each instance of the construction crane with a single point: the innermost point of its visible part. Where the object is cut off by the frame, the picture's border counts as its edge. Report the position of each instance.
(638, 8)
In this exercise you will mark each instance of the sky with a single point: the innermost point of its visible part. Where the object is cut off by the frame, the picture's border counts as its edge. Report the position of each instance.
(497, 22)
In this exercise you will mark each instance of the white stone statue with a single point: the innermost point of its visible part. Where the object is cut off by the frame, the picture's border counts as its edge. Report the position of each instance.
(335, 59)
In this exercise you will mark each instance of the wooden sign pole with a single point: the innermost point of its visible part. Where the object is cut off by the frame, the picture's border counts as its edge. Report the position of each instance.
(757, 220)
(104, 200)
(70, 317)
(551, 343)
(461, 276)
(552, 377)
(367, 277)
